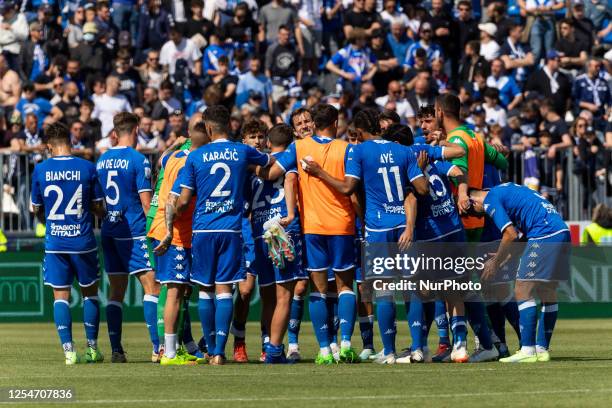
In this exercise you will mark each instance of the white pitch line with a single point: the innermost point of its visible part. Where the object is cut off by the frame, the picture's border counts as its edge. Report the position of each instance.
(317, 398)
(217, 373)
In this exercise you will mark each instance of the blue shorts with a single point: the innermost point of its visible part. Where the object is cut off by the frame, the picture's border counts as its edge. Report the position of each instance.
(217, 258)
(390, 236)
(125, 255)
(59, 270)
(329, 251)
(546, 259)
(174, 266)
(267, 273)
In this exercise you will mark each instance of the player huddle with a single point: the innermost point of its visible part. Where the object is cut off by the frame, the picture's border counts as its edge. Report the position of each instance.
(291, 215)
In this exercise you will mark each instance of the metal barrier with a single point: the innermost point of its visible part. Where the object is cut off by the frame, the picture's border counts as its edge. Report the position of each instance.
(575, 200)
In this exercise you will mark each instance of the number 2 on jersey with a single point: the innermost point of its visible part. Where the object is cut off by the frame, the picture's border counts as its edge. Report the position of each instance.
(227, 172)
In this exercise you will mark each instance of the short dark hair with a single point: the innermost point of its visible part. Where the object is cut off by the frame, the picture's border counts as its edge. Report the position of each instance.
(324, 115)
(474, 45)
(548, 103)
(284, 27)
(218, 118)
(57, 133)
(464, 3)
(298, 112)
(426, 111)
(280, 135)
(450, 105)
(125, 123)
(491, 92)
(567, 21)
(253, 126)
(166, 84)
(367, 120)
(401, 134)
(388, 114)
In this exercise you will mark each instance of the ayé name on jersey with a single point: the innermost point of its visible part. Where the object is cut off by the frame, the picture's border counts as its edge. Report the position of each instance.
(227, 154)
(68, 175)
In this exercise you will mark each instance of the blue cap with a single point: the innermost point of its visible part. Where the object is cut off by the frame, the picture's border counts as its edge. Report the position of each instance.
(552, 54)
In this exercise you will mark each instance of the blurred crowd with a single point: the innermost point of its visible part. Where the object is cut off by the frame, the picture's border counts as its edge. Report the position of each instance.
(533, 75)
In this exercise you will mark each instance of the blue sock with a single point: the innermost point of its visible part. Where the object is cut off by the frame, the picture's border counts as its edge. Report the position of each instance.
(295, 319)
(223, 319)
(366, 329)
(511, 312)
(318, 316)
(149, 303)
(415, 322)
(187, 335)
(347, 313)
(114, 321)
(429, 309)
(63, 323)
(206, 311)
(91, 319)
(442, 322)
(331, 303)
(385, 314)
(498, 320)
(528, 317)
(475, 312)
(548, 318)
(458, 328)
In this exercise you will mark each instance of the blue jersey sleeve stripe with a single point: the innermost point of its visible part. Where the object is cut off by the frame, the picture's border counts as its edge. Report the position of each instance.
(97, 199)
(142, 190)
(175, 193)
(416, 177)
(281, 166)
(187, 187)
(353, 176)
(505, 226)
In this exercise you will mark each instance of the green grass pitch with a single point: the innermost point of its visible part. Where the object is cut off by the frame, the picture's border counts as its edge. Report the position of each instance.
(579, 376)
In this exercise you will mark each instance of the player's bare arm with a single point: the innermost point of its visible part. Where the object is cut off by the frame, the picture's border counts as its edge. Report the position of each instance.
(270, 172)
(170, 215)
(508, 237)
(145, 200)
(410, 207)
(98, 208)
(290, 186)
(451, 150)
(346, 186)
(39, 212)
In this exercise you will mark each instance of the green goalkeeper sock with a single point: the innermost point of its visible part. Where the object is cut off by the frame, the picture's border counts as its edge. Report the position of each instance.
(161, 303)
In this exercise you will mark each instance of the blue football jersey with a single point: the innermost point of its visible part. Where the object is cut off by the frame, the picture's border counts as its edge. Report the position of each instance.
(386, 170)
(217, 173)
(66, 186)
(437, 216)
(123, 174)
(532, 214)
(490, 179)
(267, 201)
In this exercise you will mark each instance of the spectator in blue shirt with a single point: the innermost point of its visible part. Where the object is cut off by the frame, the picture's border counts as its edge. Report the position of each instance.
(434, 51)
(590, 91)
(257, 82)
(30, 103)
(509, 92)
(398, 40)
(354, 63)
